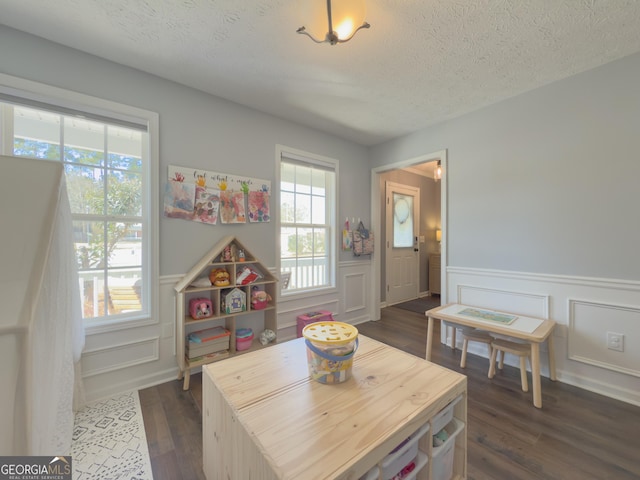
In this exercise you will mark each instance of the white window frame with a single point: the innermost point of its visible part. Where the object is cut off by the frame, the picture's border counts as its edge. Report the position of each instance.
(34, 92)
(284, 152)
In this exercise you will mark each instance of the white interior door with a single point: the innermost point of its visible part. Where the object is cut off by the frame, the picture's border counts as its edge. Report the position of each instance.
(402, 246)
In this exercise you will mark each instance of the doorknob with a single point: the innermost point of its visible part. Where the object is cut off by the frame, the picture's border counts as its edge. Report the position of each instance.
(416, 250)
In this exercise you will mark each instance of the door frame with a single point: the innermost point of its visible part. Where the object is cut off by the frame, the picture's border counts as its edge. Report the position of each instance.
(376, 222)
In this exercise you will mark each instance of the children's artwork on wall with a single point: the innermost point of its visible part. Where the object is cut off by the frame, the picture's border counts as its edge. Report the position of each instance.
(179, 199)
(216, 195)
(232, 207)
(258, 207)
(207, 204)
(219, 181)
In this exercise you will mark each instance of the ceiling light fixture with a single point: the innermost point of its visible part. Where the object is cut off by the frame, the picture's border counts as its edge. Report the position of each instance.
(437, 173)
(340, 23)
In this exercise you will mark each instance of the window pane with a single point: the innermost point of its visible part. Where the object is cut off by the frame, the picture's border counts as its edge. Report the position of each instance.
(125, 148)
(319, 241)
(125, 248)
(124, 193)
(402, 220)
(88, 238)
(85, 188)
(318, 178)
(287, 177)
(303, 179)
(318, 210)
(287, 213)
(288, 242)
(92, 294)
(303, 208)
(84, 135)
(125, 291)
(36, 133)
(305, 242)
(33, 148)
(84, 156)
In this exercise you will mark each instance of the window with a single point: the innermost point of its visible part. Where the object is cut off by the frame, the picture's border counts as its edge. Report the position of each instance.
(108, 176)
(307, 221)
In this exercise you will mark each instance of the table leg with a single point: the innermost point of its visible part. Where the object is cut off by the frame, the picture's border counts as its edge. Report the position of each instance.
(535, 374)
(453, 337)
(552, 358)
(429, 338)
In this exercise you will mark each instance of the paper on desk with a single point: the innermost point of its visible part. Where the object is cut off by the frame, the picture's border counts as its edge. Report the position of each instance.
(522, 323)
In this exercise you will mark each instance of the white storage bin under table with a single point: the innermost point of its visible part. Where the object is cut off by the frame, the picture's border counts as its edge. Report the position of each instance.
(442, 456)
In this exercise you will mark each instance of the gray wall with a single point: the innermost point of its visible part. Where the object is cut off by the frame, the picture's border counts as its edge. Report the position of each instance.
(546, 182)
(196, 130)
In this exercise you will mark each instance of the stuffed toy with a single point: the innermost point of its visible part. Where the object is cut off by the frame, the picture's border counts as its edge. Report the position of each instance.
(259, 299)
(219, 277)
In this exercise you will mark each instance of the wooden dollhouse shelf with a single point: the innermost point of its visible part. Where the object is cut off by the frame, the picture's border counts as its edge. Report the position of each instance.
(224, 255)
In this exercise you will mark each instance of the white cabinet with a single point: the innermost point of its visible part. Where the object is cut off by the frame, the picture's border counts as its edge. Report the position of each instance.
(226, 307)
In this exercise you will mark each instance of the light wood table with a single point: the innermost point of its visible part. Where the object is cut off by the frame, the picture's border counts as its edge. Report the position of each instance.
(264, 418)
(544, 331)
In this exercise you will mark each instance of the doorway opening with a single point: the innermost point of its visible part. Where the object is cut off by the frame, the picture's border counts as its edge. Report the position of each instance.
(429, 237)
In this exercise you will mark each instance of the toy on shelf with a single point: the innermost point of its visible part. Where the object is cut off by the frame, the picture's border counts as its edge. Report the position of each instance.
(259, 299)
(219, 277)
(200, 308)
(247, 275)
(233, 301)
(267, 336)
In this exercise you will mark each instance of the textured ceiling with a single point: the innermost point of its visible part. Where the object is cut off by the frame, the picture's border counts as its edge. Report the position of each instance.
(421, 62)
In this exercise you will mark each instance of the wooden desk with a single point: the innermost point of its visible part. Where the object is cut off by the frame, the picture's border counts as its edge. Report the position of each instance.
(535, 338)
(264, 418)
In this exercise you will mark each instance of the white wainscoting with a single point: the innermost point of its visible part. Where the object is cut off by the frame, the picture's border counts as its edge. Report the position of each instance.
(135, 358)
(349, 302)
(589, 323)
(584, 309)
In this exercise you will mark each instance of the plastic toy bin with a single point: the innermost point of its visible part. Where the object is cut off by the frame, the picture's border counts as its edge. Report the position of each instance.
(399, 458)
(444, 416)
(311, 317)
(442, 456)
(331, 347)
(244, 339)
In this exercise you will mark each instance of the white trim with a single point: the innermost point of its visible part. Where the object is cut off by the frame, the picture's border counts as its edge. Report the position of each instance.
(572, 351)
(153, 341)
(355, 308)
(29, 89)
(619, 284)
(631, 396)
(138, 383)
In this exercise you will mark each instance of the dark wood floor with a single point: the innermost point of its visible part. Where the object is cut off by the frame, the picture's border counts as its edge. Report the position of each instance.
(577, 435)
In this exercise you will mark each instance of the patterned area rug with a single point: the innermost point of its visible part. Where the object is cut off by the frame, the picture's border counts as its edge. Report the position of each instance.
(109, 441)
